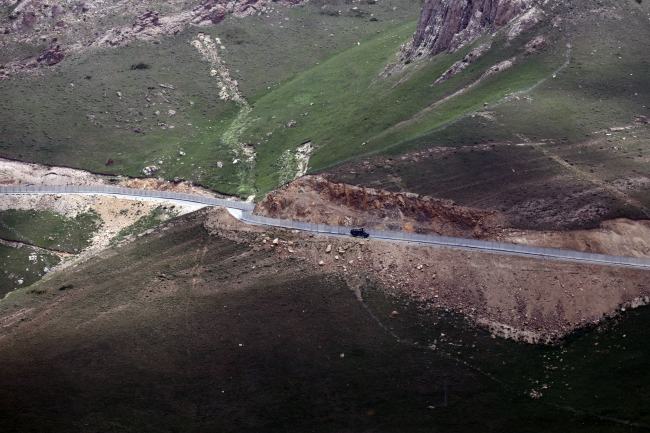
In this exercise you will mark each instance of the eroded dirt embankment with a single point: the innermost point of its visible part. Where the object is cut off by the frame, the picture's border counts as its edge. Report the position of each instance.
(315, 199)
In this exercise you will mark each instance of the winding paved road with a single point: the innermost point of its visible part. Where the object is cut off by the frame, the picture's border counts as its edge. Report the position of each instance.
(243, 211)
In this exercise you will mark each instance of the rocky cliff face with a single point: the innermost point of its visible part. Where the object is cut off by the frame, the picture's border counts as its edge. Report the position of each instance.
(317, 200)
(449, 24)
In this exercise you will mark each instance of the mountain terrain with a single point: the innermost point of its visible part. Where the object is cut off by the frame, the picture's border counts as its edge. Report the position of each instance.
(535, 110)
(521, 121)
(208, 323)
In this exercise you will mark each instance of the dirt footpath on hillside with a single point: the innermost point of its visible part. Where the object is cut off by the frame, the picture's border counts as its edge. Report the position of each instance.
(515, 297)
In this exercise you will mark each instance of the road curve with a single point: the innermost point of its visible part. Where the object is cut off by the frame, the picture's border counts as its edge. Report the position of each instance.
(244, 212)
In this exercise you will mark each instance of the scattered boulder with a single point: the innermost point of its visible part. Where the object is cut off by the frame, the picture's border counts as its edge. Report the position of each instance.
(535, 44)
(79, 8)
(524, 22)
(291, 123)
(149, 170)
(138, 130)
(146, 20)
(56, 11)
(329, 248)
(110, 161)
(181, 153)
(171, 112)
(24, 16)
(641, 119)
(53, 54)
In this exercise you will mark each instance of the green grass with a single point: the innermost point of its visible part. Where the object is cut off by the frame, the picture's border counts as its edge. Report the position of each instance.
(198, 339)
(17, 266)
(48, 229)
(355, 113)
(603, 86)
(44, 118)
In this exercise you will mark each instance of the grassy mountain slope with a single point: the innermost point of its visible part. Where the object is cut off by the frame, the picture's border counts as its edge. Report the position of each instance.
(213, 333)
(71, 114)
(571, 167)
(560, 100)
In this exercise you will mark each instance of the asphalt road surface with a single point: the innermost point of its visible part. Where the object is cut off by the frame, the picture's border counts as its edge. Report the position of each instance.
(243, 211)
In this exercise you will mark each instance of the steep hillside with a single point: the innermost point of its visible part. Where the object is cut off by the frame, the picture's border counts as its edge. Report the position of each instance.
(139, 83)
(243, 97)
(217, 330)
(564, 152)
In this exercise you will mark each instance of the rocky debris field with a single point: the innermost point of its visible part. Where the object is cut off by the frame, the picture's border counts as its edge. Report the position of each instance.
(32, 20)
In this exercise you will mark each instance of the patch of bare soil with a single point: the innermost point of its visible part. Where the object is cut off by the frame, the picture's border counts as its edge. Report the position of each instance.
(515, 297)
(620, 237)
(156, 184)
(316, 199)
(24, 173)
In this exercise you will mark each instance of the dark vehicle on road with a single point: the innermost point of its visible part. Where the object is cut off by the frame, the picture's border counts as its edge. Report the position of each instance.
(359, 233)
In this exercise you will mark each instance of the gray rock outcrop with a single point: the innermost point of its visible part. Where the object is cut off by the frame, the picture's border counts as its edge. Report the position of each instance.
(450, 24)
